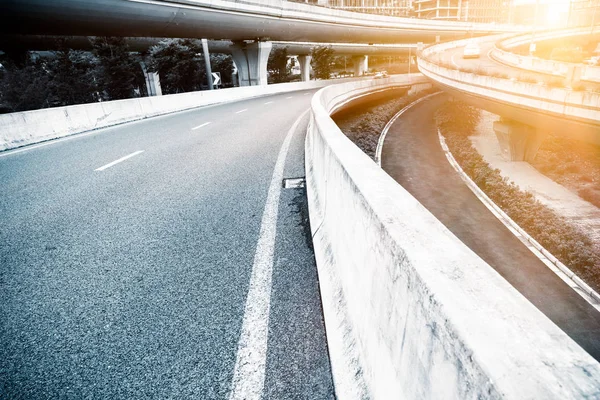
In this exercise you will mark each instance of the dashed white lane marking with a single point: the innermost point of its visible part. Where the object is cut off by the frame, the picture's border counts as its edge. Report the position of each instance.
(249, 372)
(200, 126)
(268, 102)
(306, 94)
(453, 61)
(102, 168)
(241, 111)
(289, 97)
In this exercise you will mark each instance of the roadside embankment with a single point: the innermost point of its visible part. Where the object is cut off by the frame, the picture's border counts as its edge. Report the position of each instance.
(564, 240)
(410, 311)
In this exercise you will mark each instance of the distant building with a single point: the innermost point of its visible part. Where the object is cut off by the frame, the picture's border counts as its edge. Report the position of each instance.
(464, 10)
(584, 12)
(400, 8)
(451, 10)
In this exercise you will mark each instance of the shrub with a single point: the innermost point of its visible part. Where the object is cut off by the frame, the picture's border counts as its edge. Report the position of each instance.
(564, 240)
(591, 195)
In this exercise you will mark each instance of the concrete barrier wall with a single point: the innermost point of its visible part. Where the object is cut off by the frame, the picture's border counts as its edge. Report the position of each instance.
(525, 38)
(410, 311)
(535, 64)
(561, 102)
(24, 128)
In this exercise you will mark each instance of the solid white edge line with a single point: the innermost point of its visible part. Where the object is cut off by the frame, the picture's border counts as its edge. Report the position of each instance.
(200, 126)
(249, 373)
(561, 270)
(391, 122)
(241, 111)
(102, 168)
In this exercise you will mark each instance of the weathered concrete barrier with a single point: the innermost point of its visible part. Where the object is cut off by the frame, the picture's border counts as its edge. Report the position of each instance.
(535, 64)
(24, 128)
(573, 113)
(410, 311)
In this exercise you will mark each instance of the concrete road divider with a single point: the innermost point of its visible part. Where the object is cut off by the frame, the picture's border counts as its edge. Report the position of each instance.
(410, 311)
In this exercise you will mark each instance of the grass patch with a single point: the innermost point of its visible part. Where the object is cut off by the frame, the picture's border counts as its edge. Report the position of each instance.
(573, 164)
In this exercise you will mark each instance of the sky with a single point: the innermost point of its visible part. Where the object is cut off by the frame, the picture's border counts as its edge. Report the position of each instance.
(555, 11)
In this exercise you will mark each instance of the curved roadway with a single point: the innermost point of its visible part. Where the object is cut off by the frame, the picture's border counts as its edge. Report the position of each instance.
(129, 279)
(486, 65)
(413, 156)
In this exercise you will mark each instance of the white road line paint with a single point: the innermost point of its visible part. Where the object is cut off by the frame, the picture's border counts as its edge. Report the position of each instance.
(306, 94)
(241, 111)
(454, 62)
(268, 102)
(102, 168)
(249, 372)
(290, 97)
(387, 127)
(200, 126)
(105, 129)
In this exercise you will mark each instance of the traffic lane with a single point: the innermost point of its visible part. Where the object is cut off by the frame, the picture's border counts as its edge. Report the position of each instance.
(142, 218)
(96, 146)
(455, 57)
(412, 155)
(51, 168)
(490, 66)
(298, 358)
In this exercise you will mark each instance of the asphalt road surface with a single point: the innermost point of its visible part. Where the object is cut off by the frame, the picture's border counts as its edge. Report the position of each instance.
(413, 156)
(127, 259)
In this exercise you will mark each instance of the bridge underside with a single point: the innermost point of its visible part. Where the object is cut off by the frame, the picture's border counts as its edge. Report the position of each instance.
(168, 19)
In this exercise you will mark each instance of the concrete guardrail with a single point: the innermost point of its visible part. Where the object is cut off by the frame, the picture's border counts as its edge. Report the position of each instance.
(561, 104)
(29, 127)
(410, 311)
(535, 64)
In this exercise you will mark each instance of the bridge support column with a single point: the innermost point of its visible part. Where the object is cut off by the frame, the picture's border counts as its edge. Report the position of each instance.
(361, 65)
(251, 62)
(518, 142)
(304, 67)
(152, 81)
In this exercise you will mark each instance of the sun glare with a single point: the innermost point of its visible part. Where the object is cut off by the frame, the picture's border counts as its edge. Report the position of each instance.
(556, 12)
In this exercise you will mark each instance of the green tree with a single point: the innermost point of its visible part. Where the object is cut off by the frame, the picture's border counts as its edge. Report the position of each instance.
(23, 88)
(73, 78)
(277, 65)
(322, 58)
(120, 70)
(178, 64)
(63, 78)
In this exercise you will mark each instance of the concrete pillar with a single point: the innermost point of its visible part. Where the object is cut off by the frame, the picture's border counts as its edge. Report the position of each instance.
(518, 142)
(152, 81)
(251, 61)
(206, 53)
(153, 84)
(361, 65)
(304, 67)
